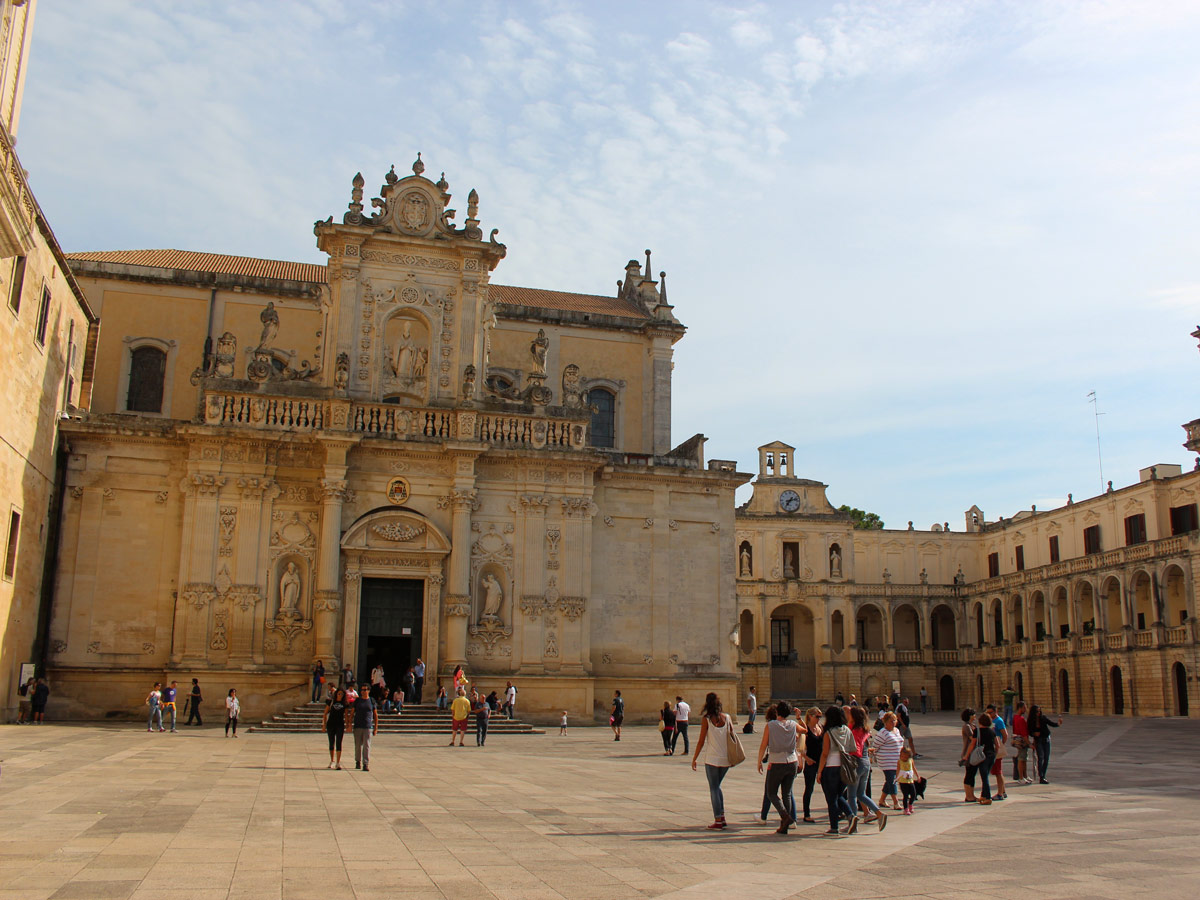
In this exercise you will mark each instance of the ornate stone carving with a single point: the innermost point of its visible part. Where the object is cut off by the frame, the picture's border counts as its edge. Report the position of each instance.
(648, 523)
(161, 497)
(341, 372)
(148, 648)
(532, 606)
(551, 651)
(244, 596)
(572, 388)
(672, 524)
(468, 500)
(576, 506)
(394, 531)
(716, 527)
(227, 524)
(608, 521)
(93, 647)
(530, 503)
(77, 492)
(457, 605)
(293, 537)
(493, 598)
(572, 607)
(327, 601)
(352, 577)
(206, 485)
(219, 639)
(289, 625)
(468, 385)
(109, 494)
(333, 489)
(198, 594)
(58, 646)
(648, 659)
(553, 536)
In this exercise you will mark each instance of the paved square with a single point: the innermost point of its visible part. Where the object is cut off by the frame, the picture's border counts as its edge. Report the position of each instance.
(109, 811)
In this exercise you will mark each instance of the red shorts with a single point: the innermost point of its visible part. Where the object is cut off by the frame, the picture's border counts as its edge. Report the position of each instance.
(457, 725)
(998, 767)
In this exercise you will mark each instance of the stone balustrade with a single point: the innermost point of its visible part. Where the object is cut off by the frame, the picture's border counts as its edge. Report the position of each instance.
(307, 414)
(1143, 639)
(870, 656)
(1177, 635)
(908, 656)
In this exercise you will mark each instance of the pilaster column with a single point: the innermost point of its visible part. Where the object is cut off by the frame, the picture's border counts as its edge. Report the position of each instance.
(433, 618)
(458, 595)
(198, 592)
(327, 603)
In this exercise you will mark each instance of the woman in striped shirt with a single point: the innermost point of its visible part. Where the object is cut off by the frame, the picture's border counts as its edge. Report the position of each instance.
(885, 746)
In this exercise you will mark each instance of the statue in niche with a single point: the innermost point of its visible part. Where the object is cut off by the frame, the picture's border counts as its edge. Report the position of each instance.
(493, 596)
(538, 349)
(406, 354)
(289, 589)
(270, 322)
(835, 562)
(421, 363)
(789, 563)
(745, 562)
(924, 577)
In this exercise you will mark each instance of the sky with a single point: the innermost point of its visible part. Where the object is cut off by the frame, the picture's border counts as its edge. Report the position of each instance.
(907, 238)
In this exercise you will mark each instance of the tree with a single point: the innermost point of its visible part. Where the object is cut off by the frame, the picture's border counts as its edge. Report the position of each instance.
(863, 521)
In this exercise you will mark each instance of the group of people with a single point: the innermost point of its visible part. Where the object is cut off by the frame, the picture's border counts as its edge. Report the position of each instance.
(985, 737)
(162, 703)
(408, 690)
(355, 710)
(835, 749)
(32, 695)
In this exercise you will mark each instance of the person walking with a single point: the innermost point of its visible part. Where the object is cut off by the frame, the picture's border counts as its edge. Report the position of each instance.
(195, 698)
(154, 701)
(460, 709)
(24, 700)
(418, 679)
(168, 703)
(482, 713)
(1039, 733)
(318, 679)
(510, 699)
(813, 733)
(907, 776)
(366, 726)
(666, 726)
(988, 744)
(836, 742)
(562, 725)
(752, 708)
(886, 745)
(924, 700)
(779, 744)
(233, 708)
(682, 711)
(715, 733)
(618, 715)
(333, 723)
(859, 793)
(904, 726)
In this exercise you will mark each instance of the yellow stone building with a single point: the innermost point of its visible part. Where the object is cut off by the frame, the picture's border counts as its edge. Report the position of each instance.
(44, 330)
(1087, 608)
(384, 458)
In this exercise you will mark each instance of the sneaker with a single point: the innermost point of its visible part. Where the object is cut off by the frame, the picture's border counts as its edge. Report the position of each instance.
(717, 825)
(853, 827)
(365, 769)
(1000, 797)
(882, 821)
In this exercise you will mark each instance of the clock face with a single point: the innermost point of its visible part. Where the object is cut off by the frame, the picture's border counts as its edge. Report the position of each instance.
(789, 501)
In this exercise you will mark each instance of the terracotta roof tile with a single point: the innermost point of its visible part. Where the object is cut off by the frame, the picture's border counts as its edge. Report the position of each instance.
(209, 262)
(313, 272)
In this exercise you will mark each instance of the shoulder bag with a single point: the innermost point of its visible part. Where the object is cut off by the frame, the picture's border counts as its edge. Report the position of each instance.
(733, 747)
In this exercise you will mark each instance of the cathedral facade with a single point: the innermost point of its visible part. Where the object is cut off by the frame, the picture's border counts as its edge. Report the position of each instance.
(382, 459)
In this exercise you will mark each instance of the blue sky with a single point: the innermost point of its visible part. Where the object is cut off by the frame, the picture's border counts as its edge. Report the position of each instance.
(907, 238)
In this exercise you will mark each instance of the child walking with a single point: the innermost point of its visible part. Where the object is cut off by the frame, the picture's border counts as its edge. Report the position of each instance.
(562, 725)
(907, 777)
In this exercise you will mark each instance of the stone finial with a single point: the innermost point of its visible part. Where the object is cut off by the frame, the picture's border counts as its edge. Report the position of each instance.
(418, 166)
(662, 287)
(472, 204)
(391, 177)
(356, 194)
(442, 184)
(1196, 333)
(648, 269)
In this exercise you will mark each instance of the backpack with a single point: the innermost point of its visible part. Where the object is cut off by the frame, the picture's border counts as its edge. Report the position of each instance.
(849, 761)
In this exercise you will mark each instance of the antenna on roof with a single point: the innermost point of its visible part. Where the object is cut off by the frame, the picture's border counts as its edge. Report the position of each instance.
(1095, 401)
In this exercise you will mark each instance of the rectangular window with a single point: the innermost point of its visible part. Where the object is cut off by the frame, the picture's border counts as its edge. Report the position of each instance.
(1020, 557)
(1054, 548)
(10, 550)
(43, 318)
(1184, 519)
(1141, 622)
(781, 641)
(1135, 529)
(1091, 539)
(1020, 632)
(18, 283)
(993, 565)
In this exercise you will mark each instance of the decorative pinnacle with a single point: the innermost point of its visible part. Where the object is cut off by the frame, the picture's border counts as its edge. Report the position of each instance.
(442, 184)
(649, 276)
(662, 288)
(358, 181)
(472, 204)
(391, 177)
(418, 166)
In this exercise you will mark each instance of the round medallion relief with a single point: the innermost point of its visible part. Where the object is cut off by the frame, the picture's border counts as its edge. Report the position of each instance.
(398, 490)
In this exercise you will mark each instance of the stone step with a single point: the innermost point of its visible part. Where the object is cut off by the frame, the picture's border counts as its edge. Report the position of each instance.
(416, 719)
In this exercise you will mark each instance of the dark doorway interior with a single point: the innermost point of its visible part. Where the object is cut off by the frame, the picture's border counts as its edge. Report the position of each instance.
(946, 689)
(390, 625)
(1118, 692)
(1181, 693)
(1064, 686)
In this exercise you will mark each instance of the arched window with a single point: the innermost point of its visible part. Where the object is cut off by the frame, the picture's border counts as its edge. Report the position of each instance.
(604, 419)
(147, 371)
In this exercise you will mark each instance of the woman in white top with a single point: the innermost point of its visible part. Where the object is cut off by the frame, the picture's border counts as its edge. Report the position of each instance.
(836, 741)
(232, 708)
(887, 743)
(779, 742)
(714, 733)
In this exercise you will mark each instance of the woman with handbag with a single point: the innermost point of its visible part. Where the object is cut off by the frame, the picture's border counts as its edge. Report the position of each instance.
(968, 735)
(779, 743)
(666, 727)
(981, 756)
(724, 752)
(837, 769)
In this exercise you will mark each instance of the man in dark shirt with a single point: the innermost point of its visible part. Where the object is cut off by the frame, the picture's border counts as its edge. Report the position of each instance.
(618, 715)
(318, 678)
(194, 712)
(366, 726)
(168, 701)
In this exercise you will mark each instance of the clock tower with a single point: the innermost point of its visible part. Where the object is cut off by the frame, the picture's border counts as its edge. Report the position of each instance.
(777, 490)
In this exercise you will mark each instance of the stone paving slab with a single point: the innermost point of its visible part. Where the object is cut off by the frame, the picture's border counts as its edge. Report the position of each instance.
(108, 811)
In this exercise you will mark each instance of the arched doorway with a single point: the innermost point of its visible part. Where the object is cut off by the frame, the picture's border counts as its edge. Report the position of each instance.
(941, 627)
(946, 692)
(793, 662)
(1174, 596)
(1179, 680)
(1064, 688)
(1118, 691)
(868, 627)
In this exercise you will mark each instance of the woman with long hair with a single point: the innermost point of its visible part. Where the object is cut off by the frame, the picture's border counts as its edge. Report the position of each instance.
(779, 743)
(460, 679)
(860, 793)
(1039, 734)
(836, 743)
(333, 723)
(813, 734)
(968, 735)
(987, 740)
(233, 709)
(714, 734)
(666, 727)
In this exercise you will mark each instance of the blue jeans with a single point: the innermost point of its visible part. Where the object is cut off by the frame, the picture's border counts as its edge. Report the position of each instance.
(835, 797)
(1043, 760)
(170, 707)
(889, 781)
(984, 769)
(862, 790)
(481, 724)
(155, 714)
(716, 774)
(316, 693)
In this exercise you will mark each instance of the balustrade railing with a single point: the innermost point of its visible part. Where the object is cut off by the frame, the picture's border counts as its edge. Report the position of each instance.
(1087, 643)
(1143, 639)
(1177, 635)
(945, 656)
(908, 656)
(870, 656)
(1114, 641)
(1062, 645)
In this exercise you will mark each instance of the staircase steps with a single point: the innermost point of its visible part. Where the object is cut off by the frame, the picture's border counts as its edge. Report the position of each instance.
(416, 719)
